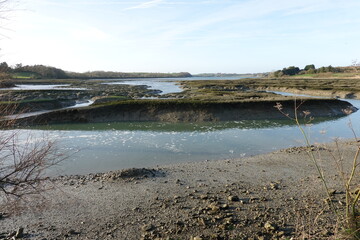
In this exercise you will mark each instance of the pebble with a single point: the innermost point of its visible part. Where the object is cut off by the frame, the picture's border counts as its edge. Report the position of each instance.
(196, 238)
(233, 198)
(274, 186)
(203, 197)
(147, 227)
(270, 227)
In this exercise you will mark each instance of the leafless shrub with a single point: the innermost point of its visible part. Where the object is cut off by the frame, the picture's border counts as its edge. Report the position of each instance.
(24, 160)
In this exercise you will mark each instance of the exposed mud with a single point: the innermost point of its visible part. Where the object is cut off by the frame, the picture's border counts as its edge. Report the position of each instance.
(272, 196)
(186, 111)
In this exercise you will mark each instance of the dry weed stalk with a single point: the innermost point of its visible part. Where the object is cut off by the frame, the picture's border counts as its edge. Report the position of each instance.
(352, 212)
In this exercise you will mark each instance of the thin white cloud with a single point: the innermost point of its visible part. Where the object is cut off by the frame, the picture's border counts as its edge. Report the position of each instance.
(149, 4)
(236, 12)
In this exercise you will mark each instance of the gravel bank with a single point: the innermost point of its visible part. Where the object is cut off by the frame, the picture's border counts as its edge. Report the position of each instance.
(272, 196)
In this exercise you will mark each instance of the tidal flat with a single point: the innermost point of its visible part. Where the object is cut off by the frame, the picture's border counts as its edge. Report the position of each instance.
(274, 195)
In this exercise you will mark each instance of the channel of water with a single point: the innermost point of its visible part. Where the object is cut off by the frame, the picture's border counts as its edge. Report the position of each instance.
(108, 146)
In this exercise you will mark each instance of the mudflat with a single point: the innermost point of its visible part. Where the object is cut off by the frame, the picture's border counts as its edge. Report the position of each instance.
(273, 196)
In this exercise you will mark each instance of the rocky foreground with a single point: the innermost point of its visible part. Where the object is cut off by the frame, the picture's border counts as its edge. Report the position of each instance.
(272, 196)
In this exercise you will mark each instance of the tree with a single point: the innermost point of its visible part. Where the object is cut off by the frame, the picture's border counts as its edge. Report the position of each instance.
(277, 74)
(321, 70)
(310, 66)
(355, 64)
(4, 68)
(292, 70)
(311, 71)
(18, 66)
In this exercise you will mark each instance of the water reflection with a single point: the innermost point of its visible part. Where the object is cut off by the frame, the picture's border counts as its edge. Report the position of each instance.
(108, 146)
(103, 147)
(164, 86)
(180, 127)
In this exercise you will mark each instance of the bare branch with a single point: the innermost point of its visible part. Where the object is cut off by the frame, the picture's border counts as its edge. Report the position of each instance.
(24, 159)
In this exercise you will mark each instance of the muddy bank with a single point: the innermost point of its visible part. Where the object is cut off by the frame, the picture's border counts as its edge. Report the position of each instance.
(313, 92)
(187, 111)
(36, 105)
(5, 84)
(272, 196)
(327, 87)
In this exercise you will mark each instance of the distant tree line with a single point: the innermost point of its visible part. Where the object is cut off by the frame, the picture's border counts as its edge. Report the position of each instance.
(34, 71)
(106, 74)
(41, 71)
(308, 69)
(225, 75)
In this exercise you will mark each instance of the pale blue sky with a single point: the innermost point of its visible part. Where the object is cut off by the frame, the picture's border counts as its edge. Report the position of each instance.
(182, 35)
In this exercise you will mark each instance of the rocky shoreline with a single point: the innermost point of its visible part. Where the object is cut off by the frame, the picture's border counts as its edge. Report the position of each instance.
(271, 196)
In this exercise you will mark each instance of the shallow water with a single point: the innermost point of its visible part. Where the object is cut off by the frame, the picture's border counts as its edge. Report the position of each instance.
(110, 146)
(162, 85)
(165, 85)
(103, 147)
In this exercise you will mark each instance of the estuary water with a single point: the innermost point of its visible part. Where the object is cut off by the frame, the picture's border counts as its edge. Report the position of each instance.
(165, 85)
(110, 146)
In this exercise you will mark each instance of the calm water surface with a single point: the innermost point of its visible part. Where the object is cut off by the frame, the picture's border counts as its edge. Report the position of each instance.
(103, 147)
(166, 85)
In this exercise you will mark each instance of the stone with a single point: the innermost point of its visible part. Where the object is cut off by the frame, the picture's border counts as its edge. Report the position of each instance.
(202, 221)
(270, 227)
(229, 220)
(274, 186)
(224, 206)
(147, 227)
(233, 198)
(18, 234)
(203, 197)
(214, 209)
(280, 234)
(332, 191)
(326, 233)
(73, 232)
(196, 238)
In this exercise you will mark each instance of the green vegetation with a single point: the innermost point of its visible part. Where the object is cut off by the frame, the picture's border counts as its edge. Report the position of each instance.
(103, 75)
(46, 72)
(25, 75)
(226, 75)
(274, 83)
(311, 71)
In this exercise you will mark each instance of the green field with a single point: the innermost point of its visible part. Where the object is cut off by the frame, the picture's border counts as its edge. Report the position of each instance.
(25, 75)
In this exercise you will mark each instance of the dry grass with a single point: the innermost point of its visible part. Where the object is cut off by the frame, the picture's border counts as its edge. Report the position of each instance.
(350, 219)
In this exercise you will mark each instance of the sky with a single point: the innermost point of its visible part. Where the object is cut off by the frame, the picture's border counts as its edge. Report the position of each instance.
(196, 36)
